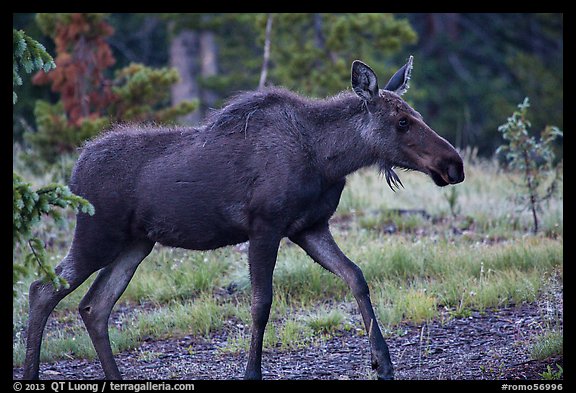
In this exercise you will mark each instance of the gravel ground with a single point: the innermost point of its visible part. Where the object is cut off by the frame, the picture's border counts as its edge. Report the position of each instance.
(492, 345)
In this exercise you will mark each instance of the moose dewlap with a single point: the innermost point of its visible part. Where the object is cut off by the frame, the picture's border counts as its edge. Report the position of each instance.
(269, 164)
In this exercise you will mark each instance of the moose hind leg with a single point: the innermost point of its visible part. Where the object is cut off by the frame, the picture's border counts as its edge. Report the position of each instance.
(97, 304)
(262, 259)
(43, 297)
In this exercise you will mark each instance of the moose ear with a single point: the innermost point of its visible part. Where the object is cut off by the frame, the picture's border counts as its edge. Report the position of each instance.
(399, 81)
(364, 81)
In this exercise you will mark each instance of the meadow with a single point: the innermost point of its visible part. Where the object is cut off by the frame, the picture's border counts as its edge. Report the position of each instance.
(426, 252)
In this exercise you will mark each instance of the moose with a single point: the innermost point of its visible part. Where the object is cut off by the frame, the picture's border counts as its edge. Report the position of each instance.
(268, 165)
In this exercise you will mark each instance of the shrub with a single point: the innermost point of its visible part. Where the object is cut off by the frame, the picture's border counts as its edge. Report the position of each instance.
(28, 207)
(534, 158)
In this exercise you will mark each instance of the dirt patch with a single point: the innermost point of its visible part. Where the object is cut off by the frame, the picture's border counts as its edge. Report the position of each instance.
(494, 344)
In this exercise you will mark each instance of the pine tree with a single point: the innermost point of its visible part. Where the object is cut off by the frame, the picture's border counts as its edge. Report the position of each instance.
(30, 55)
(309, 53)
(30, 205)
(477, 66)
(82, 57)
(89, 100)
(312, 53)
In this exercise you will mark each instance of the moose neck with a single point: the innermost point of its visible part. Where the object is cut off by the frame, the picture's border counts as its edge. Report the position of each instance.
(339, 147)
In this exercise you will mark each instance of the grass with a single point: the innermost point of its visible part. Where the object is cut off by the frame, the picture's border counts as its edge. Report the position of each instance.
(326, 321)
(471, 250)
(548, 344)
(166, 281)
(199, 317)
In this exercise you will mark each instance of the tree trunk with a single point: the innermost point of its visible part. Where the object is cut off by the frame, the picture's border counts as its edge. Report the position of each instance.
(208, 67)
(266, 58)
(183, 54)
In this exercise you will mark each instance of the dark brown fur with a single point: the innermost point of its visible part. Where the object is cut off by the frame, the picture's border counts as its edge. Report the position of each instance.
(268, 165)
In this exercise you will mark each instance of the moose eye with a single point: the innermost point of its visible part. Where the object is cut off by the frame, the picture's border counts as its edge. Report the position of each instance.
(403, 124)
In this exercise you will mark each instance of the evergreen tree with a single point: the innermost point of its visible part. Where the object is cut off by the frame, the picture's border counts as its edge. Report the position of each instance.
(312, 53)
(476, 67)
(89, 100)
(30, 55)
(216, 54)
(82, 57)
(472, 68)
(30, 205)
(309, 53)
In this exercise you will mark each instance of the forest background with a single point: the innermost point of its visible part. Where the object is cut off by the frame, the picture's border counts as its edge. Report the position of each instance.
(471, 70)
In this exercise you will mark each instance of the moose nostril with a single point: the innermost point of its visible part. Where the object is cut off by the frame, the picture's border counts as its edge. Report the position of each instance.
(455, 173)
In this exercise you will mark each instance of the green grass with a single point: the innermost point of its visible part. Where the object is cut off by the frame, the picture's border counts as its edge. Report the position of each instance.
(327, 321)
(472, 251)
(164, 280)
(280, 335)
(550, 343)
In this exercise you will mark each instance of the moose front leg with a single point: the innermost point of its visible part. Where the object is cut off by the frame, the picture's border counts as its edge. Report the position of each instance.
(262, 255)
(321, 247)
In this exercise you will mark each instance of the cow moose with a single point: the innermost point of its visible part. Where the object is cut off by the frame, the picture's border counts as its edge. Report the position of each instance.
(269, 164)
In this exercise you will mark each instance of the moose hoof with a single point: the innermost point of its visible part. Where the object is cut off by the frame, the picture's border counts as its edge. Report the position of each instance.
(254, 376)
(386, 375)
